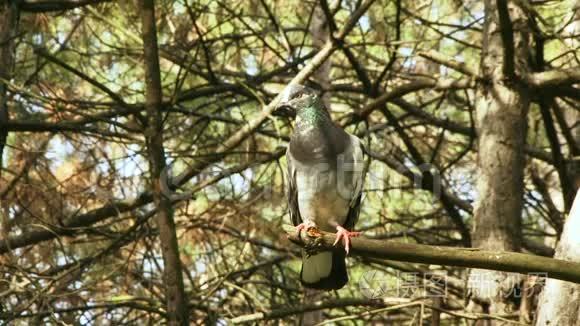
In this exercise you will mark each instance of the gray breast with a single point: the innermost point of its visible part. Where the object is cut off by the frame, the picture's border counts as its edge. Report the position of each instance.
(325, 188)
(315, 144)
(321, 199)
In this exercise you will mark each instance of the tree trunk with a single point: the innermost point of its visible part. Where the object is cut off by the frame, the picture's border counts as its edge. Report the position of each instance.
(8, 27)
(572, 116)
(502, 105)
(177, 305)
(560, 301)
(320, 34)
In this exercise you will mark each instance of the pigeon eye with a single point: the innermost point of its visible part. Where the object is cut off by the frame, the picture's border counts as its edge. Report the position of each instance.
(295, 96)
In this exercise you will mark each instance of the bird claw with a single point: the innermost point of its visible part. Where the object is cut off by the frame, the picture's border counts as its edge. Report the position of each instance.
(311, 229)
(342, 233)
(313, 233)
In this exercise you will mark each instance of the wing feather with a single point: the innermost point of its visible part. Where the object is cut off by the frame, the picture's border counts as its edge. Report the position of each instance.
(292, 191)
(359, 165)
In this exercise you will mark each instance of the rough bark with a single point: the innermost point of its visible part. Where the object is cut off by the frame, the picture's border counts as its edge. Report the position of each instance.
(560, 301)
(502, 105)
(177, 304)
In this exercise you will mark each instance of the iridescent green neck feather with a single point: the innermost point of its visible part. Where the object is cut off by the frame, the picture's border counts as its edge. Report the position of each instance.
(313, 114)
(316, 138)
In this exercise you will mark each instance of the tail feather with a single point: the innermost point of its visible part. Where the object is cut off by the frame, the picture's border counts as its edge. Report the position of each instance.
(324, 271)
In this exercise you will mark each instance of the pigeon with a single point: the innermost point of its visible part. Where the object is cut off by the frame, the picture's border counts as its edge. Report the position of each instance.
(325, 179)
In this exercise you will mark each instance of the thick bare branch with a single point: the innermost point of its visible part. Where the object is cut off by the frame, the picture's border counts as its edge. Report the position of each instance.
(507, 37)
(554, 78)
(447, 256)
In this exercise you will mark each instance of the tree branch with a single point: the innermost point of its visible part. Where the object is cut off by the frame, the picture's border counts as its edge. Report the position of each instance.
(507, 38)
(428, 180)
(297, 309)
(65, 126)
(72, 223)
(46, 6)
(566, 184)
(413, 86)
(448, 62)
(449, 256)
(115, 208)
(114, 96)
(303, 75)
(554, 78)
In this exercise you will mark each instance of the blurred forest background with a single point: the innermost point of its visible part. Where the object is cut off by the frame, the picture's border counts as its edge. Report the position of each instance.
(142, 160)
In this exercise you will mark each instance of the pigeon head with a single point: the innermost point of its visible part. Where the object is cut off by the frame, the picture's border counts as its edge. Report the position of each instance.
(297, 97)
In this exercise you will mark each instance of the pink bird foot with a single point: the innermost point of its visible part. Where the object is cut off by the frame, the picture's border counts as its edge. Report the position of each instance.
(304, 226)
(345, 235)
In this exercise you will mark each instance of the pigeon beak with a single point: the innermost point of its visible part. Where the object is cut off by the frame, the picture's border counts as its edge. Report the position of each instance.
(285, 110)
(290, 93)
(283, 107)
